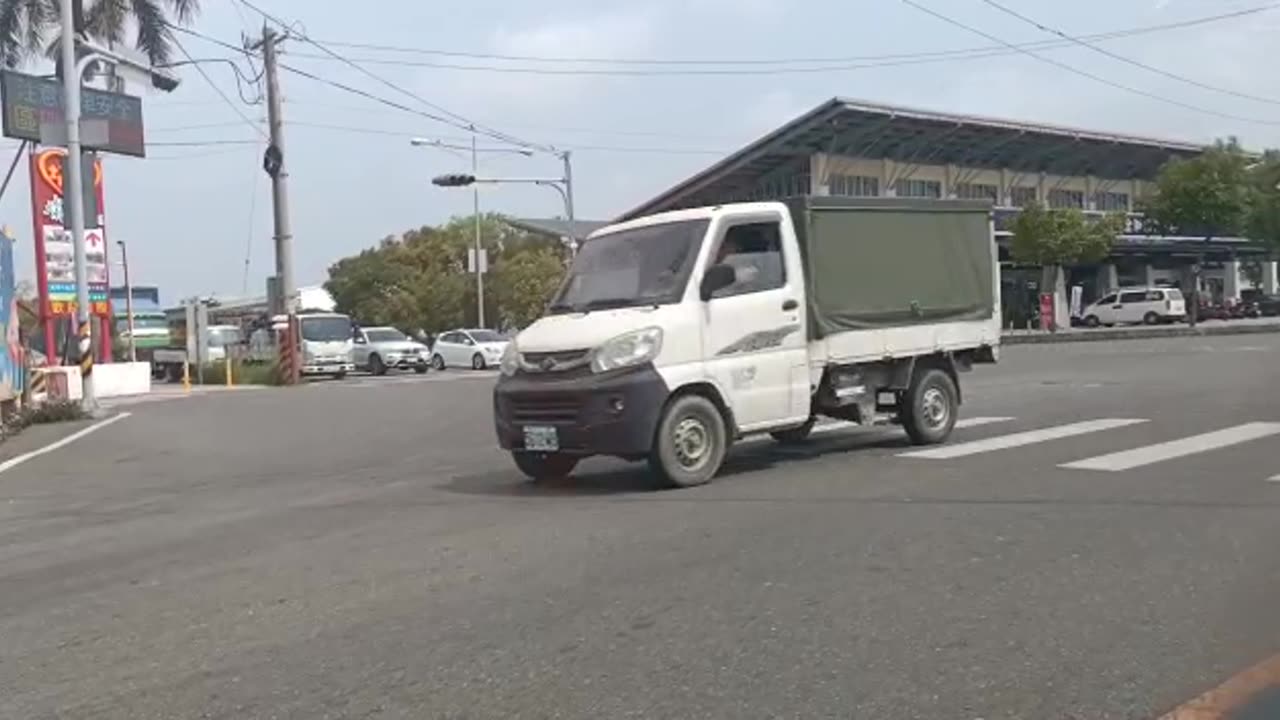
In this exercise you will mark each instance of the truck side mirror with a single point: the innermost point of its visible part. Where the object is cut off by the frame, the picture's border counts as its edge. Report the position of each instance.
(716, 278)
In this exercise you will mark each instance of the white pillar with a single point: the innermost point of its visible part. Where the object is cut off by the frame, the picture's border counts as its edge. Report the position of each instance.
(1108, 279)
(1269, 278)
(1149, 275)
(1231, 280)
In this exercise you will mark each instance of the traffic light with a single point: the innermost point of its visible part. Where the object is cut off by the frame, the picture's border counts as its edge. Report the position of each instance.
(455, 180)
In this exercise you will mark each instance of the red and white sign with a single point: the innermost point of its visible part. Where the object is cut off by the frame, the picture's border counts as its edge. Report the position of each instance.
(93, 242)
(55, 261)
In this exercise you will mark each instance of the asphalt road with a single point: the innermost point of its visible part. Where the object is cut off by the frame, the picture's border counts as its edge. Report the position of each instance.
(361, 550)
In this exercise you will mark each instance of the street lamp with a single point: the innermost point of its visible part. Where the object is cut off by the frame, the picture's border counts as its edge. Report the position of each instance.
(72, 194)
(128, 300)
(475, 166)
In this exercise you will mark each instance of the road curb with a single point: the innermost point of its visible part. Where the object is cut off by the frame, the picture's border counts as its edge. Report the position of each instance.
(1138, 333)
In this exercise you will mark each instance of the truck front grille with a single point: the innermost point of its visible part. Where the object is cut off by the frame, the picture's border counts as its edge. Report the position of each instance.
(550, 362)
(544, 410)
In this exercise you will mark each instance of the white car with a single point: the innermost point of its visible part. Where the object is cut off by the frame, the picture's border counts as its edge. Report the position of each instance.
(476, 349)
(378, 349)
(1150, 306)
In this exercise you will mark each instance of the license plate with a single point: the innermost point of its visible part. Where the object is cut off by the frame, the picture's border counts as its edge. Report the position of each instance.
(541, 439)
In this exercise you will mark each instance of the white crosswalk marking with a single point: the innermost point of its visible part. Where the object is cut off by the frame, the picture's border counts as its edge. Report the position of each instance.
(980, 421)
(1275, 479)
(1029, 437)
(839, 425)
(1160, 452)
(834, 426)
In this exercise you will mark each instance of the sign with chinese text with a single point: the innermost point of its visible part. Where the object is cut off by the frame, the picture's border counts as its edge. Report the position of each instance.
(33, 110)
(55, 251)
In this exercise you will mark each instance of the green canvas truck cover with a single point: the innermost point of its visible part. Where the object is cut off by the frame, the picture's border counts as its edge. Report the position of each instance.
(887, 262)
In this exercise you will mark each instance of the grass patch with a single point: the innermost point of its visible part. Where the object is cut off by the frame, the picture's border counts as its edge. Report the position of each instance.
(242, 373)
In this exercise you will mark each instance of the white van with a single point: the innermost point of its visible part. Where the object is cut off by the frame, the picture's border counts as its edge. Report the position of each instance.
(1150, 306)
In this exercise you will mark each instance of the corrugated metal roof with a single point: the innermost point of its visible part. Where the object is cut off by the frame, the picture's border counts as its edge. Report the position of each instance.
(857, 128)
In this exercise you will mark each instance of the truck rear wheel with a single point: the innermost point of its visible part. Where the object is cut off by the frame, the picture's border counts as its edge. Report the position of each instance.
(691, 442)
(544, 466)
(930, 406)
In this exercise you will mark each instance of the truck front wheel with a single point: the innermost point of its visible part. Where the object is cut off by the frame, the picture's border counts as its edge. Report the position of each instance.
(929, 407)
(544, 466)
(691, 442)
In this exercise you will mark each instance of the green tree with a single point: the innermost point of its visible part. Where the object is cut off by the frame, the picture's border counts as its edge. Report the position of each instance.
(1263, 221)
(1054, 238)
(524, 282)
(419, 280)
(1207, 196)
(29, 28)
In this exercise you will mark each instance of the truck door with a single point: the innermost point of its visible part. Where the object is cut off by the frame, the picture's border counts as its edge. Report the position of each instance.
(754, 341)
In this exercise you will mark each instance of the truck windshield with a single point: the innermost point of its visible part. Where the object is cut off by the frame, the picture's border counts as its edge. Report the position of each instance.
(641, 266)
(221, 337)
(326, 329)
(142, 322)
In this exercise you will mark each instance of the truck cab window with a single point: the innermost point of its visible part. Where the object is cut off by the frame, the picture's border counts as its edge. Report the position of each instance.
(754, 250)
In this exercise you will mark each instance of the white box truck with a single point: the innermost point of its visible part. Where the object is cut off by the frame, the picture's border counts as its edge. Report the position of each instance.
(677, 334)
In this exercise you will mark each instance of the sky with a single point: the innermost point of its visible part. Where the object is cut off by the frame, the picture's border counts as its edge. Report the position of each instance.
(197, 217)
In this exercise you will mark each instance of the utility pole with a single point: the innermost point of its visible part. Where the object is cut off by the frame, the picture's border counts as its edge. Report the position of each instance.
(273, 162)
(73, 202)
(480, 263)
(128, 301)
(568, 201)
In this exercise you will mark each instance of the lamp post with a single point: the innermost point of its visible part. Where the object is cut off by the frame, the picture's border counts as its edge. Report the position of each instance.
(475, 200)
(128, 301)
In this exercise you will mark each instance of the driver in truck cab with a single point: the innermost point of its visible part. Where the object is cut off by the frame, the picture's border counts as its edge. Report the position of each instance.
(734, 253)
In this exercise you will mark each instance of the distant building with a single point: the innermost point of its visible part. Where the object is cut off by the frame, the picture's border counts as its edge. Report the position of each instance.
(852, 148)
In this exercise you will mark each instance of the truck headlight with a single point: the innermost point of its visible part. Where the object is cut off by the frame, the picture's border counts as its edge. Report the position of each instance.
(510, 361)
(633, 348)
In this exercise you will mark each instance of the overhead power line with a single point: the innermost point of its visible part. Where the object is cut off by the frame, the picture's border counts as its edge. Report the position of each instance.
(1129, 61)
(1002, 48)
(464, 122)
(1086, 74)
(225, 98)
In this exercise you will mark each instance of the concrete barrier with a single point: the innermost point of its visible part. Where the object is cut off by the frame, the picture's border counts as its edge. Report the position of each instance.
(110, 379)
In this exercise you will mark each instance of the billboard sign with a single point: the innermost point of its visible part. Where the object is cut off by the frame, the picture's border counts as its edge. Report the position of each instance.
(55, 251)
(33, 110)
(11, 358)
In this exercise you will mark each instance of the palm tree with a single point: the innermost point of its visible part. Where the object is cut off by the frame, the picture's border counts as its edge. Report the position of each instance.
(29, 28)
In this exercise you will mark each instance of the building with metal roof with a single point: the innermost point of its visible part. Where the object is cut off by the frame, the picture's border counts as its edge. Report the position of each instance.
(861, 149)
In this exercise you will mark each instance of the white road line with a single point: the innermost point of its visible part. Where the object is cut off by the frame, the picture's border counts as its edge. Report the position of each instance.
(1160, 452)
(1274, 479)
(1004, 442)
(16, 461)
(841, 425)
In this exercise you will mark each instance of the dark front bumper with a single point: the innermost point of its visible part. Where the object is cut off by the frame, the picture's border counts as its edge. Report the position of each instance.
(611, 414)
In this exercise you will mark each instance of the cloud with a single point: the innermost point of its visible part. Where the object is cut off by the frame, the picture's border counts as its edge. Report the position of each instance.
(620, 34)
(770, 110)
(752, 10)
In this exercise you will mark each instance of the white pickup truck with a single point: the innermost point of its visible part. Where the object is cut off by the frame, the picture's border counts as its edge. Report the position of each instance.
(677, 334)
